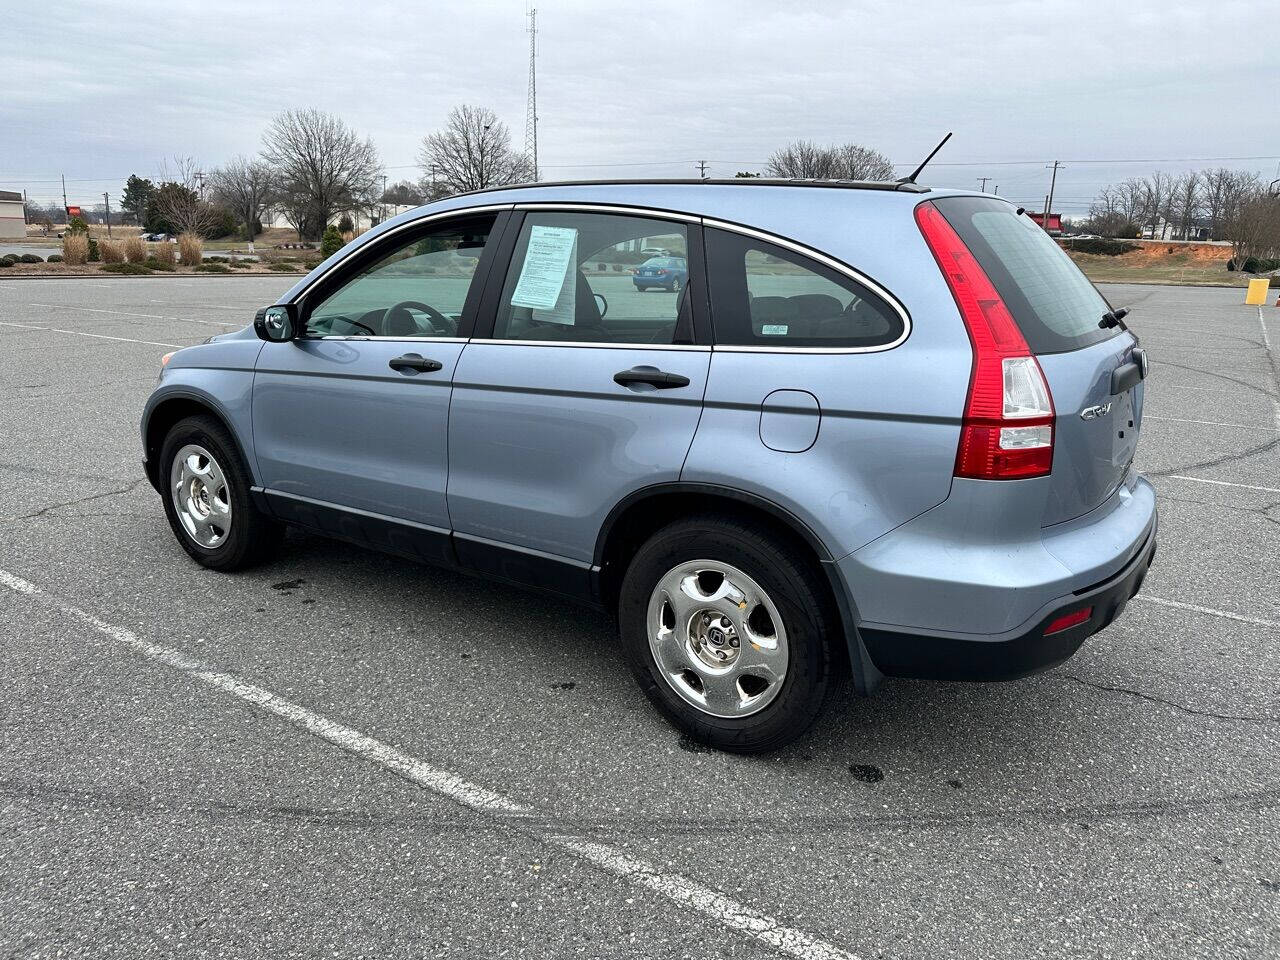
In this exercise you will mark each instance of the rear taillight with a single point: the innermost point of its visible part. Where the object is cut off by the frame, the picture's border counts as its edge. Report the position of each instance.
(661, 273)
(1007, 432)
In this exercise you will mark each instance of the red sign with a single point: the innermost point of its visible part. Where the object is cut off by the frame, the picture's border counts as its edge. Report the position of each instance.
(73, 211)
(1055, 221)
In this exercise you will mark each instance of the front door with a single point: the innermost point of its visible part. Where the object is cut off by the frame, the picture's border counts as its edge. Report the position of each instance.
(350, 420)
(587, 387)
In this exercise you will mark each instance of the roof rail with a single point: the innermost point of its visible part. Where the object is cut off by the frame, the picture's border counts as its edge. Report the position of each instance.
(890, 185)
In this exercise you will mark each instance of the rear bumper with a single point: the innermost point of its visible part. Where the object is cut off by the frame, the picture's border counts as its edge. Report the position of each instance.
(941, 657)
(966, 590)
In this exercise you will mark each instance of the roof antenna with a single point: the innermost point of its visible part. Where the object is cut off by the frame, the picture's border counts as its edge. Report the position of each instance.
(916, 172)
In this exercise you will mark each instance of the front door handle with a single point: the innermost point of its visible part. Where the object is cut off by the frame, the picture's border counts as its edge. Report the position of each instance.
(415, 361)
(652, 376)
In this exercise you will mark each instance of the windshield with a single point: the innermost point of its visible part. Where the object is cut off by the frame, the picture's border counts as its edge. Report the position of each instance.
(1054, 304)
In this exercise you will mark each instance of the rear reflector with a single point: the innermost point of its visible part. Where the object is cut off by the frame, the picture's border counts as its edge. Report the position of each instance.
(1069, 620)
(1007, 433)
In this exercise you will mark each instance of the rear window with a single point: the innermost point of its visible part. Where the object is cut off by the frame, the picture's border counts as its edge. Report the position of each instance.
(763, 295)
(1054, 304)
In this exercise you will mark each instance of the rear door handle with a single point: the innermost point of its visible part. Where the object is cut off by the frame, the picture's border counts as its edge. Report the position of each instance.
(652, 376)
(415, 361)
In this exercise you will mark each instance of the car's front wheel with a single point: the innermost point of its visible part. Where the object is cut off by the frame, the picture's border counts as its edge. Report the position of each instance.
(206, 498)
(726, 627)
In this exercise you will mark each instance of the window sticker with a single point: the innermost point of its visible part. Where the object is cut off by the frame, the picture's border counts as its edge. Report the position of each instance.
(546, 280)
(775, 329)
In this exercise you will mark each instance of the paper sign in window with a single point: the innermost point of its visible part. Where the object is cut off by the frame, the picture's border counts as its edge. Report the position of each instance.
(546, 283)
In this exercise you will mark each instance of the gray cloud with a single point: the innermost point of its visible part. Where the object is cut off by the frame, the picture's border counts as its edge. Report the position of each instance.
(100, 91)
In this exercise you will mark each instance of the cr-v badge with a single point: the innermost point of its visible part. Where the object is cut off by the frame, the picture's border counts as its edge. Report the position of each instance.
(1093, 413)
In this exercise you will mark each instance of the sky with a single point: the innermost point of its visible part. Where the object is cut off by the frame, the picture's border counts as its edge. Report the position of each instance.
(99, 90)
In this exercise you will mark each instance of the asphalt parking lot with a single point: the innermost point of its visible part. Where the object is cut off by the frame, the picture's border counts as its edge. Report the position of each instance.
(289, 762)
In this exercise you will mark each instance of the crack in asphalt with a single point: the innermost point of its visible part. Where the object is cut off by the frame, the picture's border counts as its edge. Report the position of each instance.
(1152, 698)
(150, 804)
(71, 503)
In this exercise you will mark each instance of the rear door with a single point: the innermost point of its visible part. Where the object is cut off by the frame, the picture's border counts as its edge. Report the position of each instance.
(1091, 369)
(350, 419)
(578, 390)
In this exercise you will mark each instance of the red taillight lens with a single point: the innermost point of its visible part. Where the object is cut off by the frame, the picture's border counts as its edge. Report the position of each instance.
(661, 273)
(1069, 620)
(1007, 432)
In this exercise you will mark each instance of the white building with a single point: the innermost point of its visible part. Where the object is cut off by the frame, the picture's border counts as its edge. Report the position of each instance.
(13, 220)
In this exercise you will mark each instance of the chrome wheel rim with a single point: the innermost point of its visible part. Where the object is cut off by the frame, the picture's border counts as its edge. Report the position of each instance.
(717, 638)
(201, 497)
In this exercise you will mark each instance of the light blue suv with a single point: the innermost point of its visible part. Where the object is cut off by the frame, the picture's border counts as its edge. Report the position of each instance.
(881, 429)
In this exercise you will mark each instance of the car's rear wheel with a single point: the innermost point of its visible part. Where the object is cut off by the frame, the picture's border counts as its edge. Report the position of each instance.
(726, 628)
(207, 501)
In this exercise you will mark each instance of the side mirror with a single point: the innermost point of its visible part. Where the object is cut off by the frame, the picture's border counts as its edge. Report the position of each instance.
(276, 324)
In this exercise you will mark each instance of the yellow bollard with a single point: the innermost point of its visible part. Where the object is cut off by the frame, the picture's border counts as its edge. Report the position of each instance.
(1257, 294)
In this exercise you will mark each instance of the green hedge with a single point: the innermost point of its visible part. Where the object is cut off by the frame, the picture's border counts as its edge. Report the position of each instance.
(1101, 247)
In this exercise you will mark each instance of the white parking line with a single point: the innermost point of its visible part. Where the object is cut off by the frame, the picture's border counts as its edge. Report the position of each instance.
(96, 336)
(681, 890)
(1223, 483)
(143, 316)
(1208, 423)
(1209, 611)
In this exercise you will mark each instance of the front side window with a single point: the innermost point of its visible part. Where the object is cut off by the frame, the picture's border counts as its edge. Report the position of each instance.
(595, 278)
(417, 289)
(764, 295)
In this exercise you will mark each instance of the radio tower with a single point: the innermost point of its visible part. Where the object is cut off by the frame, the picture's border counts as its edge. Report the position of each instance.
(531, 112)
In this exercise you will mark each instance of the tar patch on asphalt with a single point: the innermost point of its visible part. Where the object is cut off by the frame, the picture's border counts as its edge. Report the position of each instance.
(567, 685)
(288, 584)
(866, 772)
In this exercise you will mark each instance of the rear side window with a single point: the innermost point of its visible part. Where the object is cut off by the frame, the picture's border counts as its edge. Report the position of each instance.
(1053, 303)
(763, 295)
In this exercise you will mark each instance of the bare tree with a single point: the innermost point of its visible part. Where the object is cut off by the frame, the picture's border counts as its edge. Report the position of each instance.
(1131, 200)
(1186, 202)
(1224, 191)
(1254, 227)
(246, 188)
(321, 167)
(806, 160)
(1156, 191)
(177, 199)
(472, 152)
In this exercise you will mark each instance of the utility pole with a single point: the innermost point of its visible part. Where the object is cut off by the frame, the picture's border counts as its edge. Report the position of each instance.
(106, 205)
(1048, 201)
(199, 175)
(984, 183)
(384, 197)
(531, 109)
(64, 196)
(702, 169)
(996, 191)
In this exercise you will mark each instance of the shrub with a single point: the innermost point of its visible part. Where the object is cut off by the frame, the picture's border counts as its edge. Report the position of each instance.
(241, 264)
(111, 251)
(128, 269)
(54, 258)
(163, 253)
(94, 256)
(1101, 247)
(213, 268)
(166, 265)
(215, 259)
(282, 266)
(310, 264)
(77, 225)
(5, 263)
(190, 249)
(345, 225)
(75, 248)
(135, 251)
(331, 242)
(31, 258)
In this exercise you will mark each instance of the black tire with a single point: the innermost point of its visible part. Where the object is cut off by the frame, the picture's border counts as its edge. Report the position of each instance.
(791, 581)
(254, 536)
